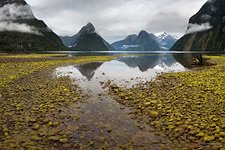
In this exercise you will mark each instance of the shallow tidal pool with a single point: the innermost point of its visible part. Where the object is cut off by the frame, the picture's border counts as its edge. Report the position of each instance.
(125, 71)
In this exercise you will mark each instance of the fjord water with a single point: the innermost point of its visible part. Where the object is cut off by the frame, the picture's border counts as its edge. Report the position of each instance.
(101, 113)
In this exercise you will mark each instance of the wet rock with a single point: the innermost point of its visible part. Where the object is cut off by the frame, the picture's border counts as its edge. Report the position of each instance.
(36, 138)
(53, 138)
(154, 114)
(63, 140)
(35, 126)
(33, 120)
(200, 135)
(209, 138)
(222, 134)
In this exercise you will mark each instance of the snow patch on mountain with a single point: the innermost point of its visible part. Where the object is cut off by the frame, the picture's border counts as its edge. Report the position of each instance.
(165, 40)
(164, 35)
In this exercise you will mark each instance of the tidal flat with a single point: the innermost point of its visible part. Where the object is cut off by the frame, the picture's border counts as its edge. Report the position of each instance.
(188, 107)
(42, 108)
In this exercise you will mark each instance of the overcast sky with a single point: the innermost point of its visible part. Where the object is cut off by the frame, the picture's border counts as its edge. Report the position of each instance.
(115, 19)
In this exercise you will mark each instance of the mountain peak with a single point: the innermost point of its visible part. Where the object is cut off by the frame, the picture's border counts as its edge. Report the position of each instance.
(166, 41)
(89, 28)
(164, 34)
(87, 40)
(143, 32)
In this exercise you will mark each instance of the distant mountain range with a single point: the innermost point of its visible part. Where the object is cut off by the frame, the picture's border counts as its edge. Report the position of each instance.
(21, 31)
(145, 42)
(87, 39)
(206, 29)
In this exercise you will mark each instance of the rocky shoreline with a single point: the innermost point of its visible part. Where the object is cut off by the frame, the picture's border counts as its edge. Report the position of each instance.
(188, 107)
(177, 110)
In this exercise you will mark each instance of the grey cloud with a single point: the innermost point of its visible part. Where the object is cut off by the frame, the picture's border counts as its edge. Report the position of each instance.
(10, 12)
(24, 28)
(192, 28)
(13, 11)
(172, 22)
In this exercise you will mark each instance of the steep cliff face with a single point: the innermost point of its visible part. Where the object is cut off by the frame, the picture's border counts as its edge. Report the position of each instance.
(21, 31)
(206, 29)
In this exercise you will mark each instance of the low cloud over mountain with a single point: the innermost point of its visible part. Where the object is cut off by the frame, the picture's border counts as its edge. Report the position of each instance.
(9, 13)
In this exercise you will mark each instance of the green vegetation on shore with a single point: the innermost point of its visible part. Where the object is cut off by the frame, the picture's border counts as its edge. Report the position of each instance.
(189, 107)
(30, 55)
(12, 70)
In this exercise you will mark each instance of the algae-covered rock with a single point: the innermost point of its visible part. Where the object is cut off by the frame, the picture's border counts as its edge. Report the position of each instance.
(36, 138)
(147, 103)
(33, 120)
(222, 134)
(209, 138)
(201, 134)
(53, 138)
(63, 140)
(154, 114)
(35, 126)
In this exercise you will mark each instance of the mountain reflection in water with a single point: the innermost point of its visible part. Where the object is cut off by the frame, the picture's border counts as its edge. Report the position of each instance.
(88, 70)
(127, 70)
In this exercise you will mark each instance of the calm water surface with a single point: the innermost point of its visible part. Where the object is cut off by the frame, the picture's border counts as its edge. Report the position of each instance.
(125, 71)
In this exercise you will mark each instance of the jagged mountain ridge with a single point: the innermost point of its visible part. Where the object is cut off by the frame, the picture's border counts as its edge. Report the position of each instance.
(166, 41)
(206, 29)
(87, 39)
(141, 42)
(21, 31)
(145, 42)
